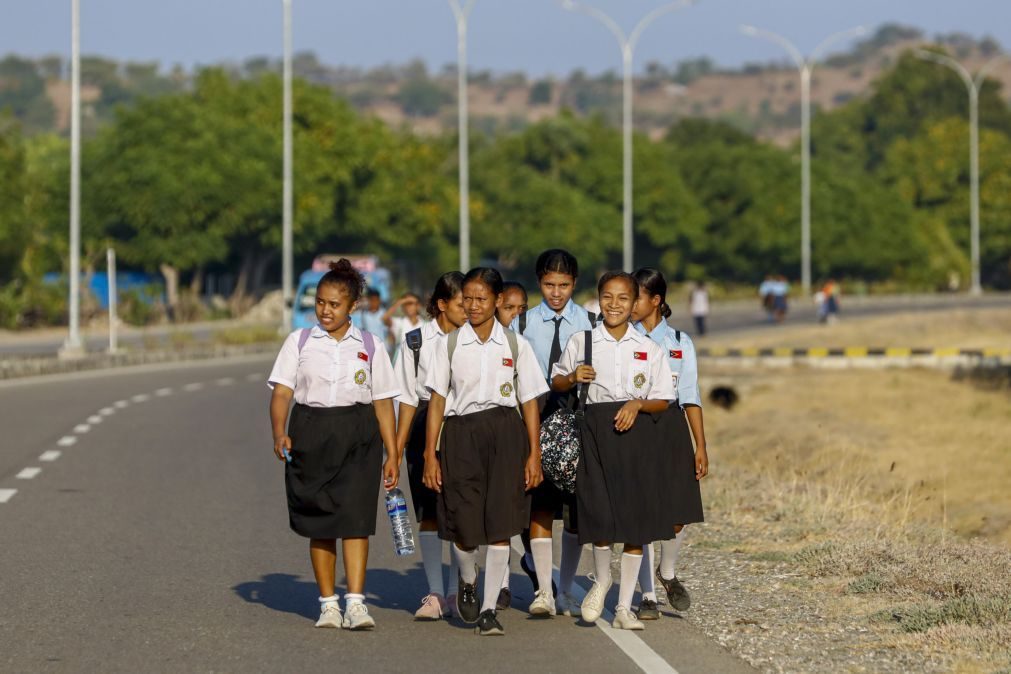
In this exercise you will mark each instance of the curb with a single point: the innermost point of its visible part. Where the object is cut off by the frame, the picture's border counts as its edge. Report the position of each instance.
(860, 357)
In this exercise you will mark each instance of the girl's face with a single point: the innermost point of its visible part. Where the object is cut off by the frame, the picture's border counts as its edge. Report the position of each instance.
(453, 310)
(411, 307)
(480, 302)
(514, 303)
(617, 300)
(557, 289)
(646, 305)
(333, 306)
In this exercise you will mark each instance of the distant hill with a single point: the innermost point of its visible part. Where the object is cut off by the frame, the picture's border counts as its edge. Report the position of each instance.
(762, 99)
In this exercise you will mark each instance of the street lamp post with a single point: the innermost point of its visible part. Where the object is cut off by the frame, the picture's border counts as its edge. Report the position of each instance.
(72, 347)
(805, 66)
(627, 45)
(462, 13)
(973, 85)
(287, 206)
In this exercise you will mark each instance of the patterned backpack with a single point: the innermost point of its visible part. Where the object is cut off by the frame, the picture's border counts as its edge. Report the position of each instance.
(560, 441)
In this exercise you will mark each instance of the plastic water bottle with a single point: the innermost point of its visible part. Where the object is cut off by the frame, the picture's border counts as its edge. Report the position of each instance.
(400, 523)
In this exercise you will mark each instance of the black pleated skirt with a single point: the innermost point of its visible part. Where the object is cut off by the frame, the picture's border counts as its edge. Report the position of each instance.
(425, 500)
(483, 456)
(335, 471)
(679, 469)
(620, 491)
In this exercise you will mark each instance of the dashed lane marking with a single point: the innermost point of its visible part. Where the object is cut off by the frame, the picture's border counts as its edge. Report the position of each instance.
(28, 473)
(50, 455)
(7, 494)
(120, 404)
(162, 392)
(107, 411)
(255, 376)
(66, 441)
(195, 386)
(225, 381)
(140, 398)
(95, 419)
(82, 428)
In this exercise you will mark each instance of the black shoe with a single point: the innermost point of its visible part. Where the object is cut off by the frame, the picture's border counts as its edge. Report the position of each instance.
(533, 577)
(648, 610)
(505, 599)
(677, 595)
(466, 602)
(488, 625)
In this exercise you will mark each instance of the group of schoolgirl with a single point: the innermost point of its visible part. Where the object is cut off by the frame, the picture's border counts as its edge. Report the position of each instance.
(471, 395)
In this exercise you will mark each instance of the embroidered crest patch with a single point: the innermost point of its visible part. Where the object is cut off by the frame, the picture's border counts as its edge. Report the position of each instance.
(360, 377)
(639, 380)
(505, 390)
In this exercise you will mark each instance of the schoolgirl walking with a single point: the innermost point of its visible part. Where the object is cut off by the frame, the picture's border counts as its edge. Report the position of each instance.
(485, 458)
(342, 383)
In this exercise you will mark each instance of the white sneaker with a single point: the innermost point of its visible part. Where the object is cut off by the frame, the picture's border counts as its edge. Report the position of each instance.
(566, 604)
(593, 602)
(626, 620)
(358, 617)
(330, 616)
(543, 604)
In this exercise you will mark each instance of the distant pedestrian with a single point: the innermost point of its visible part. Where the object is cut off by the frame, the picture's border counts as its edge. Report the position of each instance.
(343, 387)
(698, 305)
(780, 298)
(370, 316)
(410, 306)
(766, 296)
(828, 307)
(514, 304)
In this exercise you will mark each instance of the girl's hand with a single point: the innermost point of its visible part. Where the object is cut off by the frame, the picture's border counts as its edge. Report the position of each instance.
(626, 416)
(391, 473)
(701, 463)
(281, 443)
(532, 473)
(583, 374)
(433, 474)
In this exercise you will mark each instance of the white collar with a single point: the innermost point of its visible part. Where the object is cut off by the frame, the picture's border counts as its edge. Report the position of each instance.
(467, 334)
(600, 334)
(352, 333)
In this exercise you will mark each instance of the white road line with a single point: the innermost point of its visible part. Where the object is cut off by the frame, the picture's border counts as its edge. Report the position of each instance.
(66, 441)
(107, 411)
(225, 381)
(638, 651)
(50, 455)
(7, 494)
(255, 376)
(141, 398)
(97, 418)
(82, 428)
(120, 404)
(162, 392)
(195, 386)
(28, 473)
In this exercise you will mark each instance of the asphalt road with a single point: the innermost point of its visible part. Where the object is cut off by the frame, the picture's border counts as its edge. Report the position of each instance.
(155, 538)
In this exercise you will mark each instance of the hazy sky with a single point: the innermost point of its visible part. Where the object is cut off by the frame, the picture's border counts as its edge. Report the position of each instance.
(536, 36)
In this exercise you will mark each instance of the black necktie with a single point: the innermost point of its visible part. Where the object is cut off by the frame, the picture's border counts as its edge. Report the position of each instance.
(556, 346)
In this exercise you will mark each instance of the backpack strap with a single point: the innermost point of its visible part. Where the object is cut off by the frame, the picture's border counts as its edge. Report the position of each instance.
(677, 336)
(370, 345)
(514, 349)
(584, 389)
(451, 340)
(414, 344)
(593, 318)
(523, 322)
(303, 337)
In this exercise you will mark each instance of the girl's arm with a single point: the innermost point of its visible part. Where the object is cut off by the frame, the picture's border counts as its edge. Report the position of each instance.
(280, 401)
(436, 411)
(532, 420)
(388, 431)
(694, 414)
(388, 316)
(626, 416)
(404, 422)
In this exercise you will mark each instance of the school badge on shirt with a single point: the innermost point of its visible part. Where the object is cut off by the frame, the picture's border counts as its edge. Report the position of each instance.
(639, 380)
(505, 390)
(360, 377)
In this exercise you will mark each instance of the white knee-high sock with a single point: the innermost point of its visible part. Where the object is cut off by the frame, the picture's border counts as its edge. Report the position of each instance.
(602, 564)
(431, 559)
(467, 560)
(571, 552)
(630, 565)
(453, 586)
(541, 549)
(496, 564)
(669, 553)
(646, 574)
(505, 576)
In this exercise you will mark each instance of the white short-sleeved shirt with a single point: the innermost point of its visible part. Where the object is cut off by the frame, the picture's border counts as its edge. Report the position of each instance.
(482, 373)
(681, 359)
(412, 388)
(632, 368)
(401, 325)
(331, 373)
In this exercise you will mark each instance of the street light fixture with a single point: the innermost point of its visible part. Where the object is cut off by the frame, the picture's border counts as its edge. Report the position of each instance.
(287, 200)
(72, 348)
(462, 13)
(627, 45)
(806, 66)
(973, 85)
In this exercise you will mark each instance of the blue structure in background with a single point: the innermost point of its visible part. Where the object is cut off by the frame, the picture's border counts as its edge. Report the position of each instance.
(126, 281)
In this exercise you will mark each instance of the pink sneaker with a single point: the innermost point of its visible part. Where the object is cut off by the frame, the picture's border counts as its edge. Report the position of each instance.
(433, 607)
(451, 601)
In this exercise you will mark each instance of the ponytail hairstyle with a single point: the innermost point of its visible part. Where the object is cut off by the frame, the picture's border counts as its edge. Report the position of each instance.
(654, 284)
(343, 274)
(488, 276)
(447, 287)
(625, 276)
(558, 261)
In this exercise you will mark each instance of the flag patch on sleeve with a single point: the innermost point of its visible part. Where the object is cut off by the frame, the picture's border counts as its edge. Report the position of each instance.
(639, 355)
(675, 354)
(363, 356)
(507, 362)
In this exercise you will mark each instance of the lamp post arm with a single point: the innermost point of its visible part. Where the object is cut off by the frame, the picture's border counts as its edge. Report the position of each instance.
(981, 75)
(856, 31)
(461, 12)
(951, 63)
(633, 38)
(611, 24)
(798, 58)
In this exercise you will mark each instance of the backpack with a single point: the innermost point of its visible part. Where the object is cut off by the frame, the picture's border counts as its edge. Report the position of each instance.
(514, 349)
(413, 339)
(560, 434)
(367, 339)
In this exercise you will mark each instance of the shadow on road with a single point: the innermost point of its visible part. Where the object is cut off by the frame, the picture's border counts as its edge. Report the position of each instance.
(282, 592)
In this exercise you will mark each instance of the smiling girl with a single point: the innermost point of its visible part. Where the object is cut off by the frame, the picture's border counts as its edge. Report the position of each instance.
(629, 387)
(343, 386)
